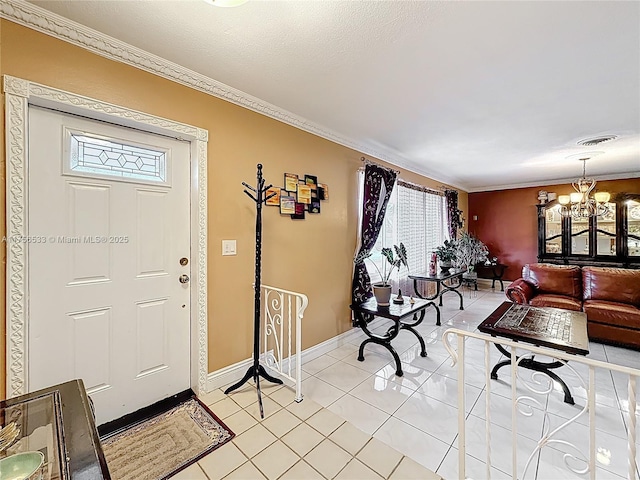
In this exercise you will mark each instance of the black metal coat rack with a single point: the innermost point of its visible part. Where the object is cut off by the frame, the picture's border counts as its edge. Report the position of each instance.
(256, 370)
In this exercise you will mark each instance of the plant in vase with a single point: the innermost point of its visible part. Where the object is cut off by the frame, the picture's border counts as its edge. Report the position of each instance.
(382, 289)
(470, 252)
(447, 254)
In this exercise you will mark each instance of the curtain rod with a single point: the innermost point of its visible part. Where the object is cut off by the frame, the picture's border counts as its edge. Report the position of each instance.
(370, 162)
(440, 190)
(421, 188)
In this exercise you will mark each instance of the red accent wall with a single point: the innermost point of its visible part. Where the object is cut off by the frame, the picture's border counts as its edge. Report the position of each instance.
(507, 220)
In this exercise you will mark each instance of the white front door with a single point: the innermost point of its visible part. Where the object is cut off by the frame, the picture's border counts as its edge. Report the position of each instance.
(108, 219)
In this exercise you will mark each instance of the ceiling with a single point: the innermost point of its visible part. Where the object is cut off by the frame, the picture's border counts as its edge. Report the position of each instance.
(480, 95)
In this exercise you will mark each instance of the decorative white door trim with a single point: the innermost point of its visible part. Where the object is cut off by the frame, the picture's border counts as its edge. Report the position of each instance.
(19, 94)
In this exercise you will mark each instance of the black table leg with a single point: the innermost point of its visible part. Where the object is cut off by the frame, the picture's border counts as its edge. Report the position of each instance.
(453, 288)
(386, 345)
(432, 303)
(423, 348)
(532, 364)
(391, 333)
(498, 273)
(409, 327)
(385, 341)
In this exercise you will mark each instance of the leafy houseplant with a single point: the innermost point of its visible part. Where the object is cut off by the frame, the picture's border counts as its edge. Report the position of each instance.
(470, 251)
(393, 260)
(382, 290)
(447, 253)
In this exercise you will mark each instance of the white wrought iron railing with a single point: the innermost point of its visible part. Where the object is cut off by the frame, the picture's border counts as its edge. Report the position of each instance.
(283, 312)
(578, 462)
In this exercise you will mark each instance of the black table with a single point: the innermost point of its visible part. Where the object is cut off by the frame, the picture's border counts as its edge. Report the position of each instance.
(453, 274)
(365, 312)
(496, 271)
(72, 450)
(563, 330)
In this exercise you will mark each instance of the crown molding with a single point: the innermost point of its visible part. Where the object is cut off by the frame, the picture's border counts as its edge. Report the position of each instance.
(42, 20)
(562, 181)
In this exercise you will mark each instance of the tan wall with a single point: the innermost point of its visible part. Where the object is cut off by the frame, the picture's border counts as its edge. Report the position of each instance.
(313, 256)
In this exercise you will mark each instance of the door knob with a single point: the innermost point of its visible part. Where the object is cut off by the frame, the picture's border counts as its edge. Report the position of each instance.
(184, 279)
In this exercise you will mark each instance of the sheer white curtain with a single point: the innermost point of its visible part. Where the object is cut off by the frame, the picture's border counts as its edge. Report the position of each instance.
(416, 216)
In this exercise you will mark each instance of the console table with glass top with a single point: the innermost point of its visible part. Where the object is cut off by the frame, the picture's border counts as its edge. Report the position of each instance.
(58, 422)
(367, 311)
(453, 274)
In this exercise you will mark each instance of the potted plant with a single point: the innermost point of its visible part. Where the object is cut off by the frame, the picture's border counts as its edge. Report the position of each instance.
(470, 251)
(446, 254)
(382, 289)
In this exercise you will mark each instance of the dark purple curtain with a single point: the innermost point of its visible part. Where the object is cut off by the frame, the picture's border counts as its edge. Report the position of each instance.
(378, 184)
(454, 215)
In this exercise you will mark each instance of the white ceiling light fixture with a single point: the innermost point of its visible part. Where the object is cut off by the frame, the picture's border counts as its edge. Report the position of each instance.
(580, 204)
(226, 3)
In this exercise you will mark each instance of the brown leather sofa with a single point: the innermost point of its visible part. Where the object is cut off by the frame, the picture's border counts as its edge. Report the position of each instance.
(609, 296)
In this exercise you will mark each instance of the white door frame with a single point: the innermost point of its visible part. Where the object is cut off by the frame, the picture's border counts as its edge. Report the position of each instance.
(19, 94)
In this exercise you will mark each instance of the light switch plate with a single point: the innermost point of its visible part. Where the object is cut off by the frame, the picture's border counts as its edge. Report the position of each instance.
(228, 247)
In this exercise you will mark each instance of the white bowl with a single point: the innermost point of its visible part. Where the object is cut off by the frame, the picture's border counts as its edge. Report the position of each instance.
(21, 466)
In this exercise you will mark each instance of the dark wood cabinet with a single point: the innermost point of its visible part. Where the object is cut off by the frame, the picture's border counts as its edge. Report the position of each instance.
(611, 239)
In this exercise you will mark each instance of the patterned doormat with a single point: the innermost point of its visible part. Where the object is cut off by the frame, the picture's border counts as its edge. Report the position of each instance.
(165, 444)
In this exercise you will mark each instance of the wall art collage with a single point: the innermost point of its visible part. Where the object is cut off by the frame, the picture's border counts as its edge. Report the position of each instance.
(299, 196)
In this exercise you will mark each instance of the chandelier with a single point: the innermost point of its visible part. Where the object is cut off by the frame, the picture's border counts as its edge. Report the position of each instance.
(580, 204)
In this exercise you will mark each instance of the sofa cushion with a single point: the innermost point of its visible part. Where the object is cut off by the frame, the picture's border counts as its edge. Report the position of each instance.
(556, 301)
(613, 313)
(619, 285)
(611, 334)
(555, 279)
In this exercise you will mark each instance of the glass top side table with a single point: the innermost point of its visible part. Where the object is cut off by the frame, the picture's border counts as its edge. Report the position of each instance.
(57, 422)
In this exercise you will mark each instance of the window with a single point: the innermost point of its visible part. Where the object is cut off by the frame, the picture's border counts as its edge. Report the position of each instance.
(94, 155)
(416, 216)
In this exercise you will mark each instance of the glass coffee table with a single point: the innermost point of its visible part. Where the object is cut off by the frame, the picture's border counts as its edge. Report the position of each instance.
(365, 312)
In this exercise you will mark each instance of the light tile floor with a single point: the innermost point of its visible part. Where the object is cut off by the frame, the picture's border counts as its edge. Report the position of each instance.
(295, 441)
(397, 426)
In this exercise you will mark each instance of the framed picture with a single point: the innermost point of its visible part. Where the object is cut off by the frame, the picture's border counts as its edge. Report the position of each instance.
(314, 206)
(287, 205)
(311, 180)
(304, 194)
(290, 182)
(323, 191)
(275, 199)
(299, 215)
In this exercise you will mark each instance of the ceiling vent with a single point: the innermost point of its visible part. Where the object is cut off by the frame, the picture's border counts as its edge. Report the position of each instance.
(590, 142)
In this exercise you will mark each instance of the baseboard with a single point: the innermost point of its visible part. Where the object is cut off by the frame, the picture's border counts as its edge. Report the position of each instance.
(235, 372)
(228, 375)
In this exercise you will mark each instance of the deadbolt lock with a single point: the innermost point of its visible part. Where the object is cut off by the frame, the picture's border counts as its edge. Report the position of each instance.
(184, 261)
